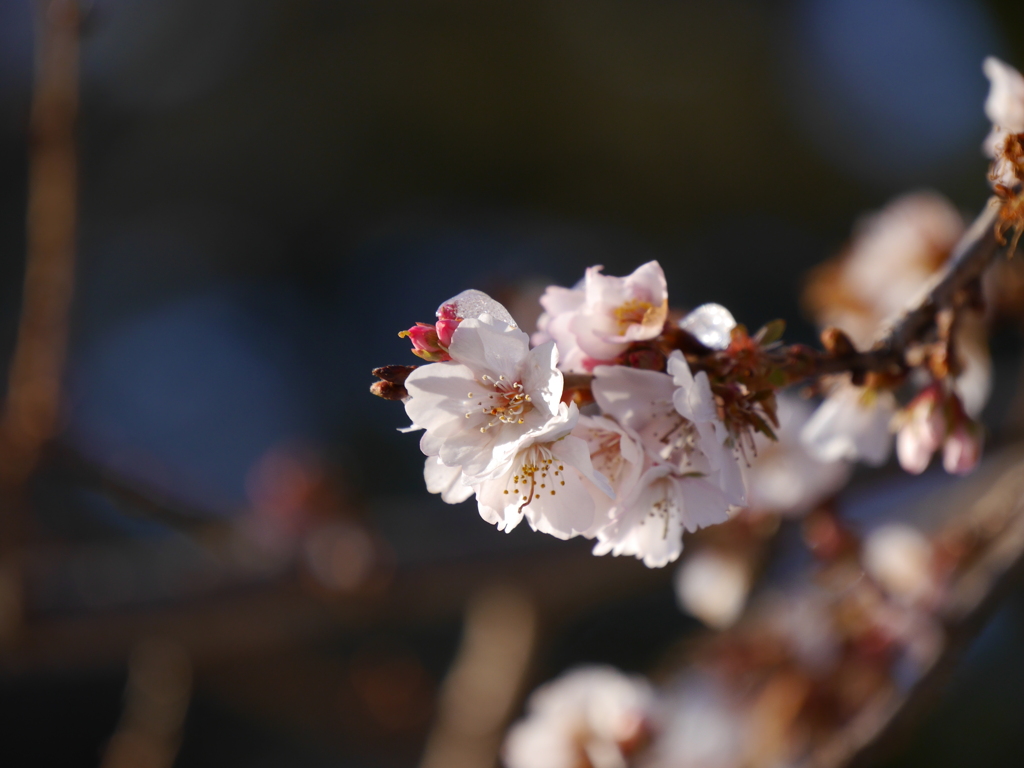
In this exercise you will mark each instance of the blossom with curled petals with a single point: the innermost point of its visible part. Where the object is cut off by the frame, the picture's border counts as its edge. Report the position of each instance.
(597, 320)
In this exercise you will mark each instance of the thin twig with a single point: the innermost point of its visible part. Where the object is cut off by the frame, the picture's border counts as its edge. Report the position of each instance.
(974, 253)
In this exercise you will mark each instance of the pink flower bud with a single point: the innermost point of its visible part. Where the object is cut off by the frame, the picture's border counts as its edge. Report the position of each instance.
(922, 430)
(426, 343)
(445, 328)
(962, 449)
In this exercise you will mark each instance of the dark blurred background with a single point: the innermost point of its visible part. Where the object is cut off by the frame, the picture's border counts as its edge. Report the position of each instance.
(270, 190)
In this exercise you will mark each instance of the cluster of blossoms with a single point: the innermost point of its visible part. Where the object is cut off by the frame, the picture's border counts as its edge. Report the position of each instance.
(649, 456)
(769, 691)
(629, 424)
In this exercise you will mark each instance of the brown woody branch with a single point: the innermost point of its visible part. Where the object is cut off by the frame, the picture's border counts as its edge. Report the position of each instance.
(952, 288)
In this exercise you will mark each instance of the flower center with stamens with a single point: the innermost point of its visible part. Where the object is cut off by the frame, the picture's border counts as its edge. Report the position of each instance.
(633, 312)
(539, 474)
(662, 506)
(606, 455)
(504, 401)
(677, 436)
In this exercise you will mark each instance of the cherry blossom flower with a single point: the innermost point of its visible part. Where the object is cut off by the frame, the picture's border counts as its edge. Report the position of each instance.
(887, 265)
(691, 474)
(616, 455)
(694, 401)
(548, 483)
(492, 397)
(449, 482)
(649, 523)
(704, 725)
(713, 586)
(591, 716)
(1005, 103)
(675, 419)
(784, 476)
(598, 319)
(852, 424)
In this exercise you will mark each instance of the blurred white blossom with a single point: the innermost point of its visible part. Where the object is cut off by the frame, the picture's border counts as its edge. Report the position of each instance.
(900, 559)
(891, 257)
(591, 716)
(703, 726)
(713, 586)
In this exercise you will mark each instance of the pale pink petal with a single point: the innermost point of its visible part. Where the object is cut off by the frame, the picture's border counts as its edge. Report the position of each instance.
(488, 345)
(446, 481)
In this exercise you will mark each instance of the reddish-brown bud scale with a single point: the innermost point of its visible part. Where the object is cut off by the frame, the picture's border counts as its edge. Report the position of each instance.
(388, 390)
(393, 374)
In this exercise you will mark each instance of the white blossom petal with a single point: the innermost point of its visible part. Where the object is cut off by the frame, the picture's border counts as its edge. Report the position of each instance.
(494, 396)
(713, 586)
(711, 324)
(472, 304)
(489, 345)
(650, 524)
(447, 481)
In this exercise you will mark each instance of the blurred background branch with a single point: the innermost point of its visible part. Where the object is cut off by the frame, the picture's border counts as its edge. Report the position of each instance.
(28, 417)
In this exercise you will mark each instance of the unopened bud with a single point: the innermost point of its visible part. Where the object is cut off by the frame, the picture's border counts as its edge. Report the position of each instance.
(922, 428)
(962, 449)
(392, 381)
(426, 343)
(388, 390)
(837, 343)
